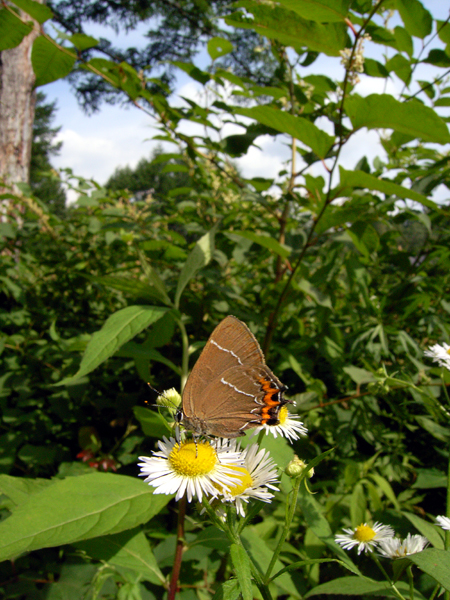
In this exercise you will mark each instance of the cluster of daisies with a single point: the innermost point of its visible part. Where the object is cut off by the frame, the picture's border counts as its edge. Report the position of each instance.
(216, 468)
(382, 538)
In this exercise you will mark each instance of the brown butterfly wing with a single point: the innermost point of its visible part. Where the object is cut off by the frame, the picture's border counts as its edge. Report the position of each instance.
(241, 398)
(231, 344)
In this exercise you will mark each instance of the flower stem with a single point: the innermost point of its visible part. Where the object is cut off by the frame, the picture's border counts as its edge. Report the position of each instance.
(411, 582)
(289, 516)
(388, 579)
(185, 356)
(179, 549)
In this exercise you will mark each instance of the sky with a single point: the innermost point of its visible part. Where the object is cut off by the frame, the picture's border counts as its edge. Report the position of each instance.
(116, 136)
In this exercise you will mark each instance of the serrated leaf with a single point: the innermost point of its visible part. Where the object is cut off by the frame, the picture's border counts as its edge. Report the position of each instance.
(385, 112)
(435, 563)
(129, 549)
(229, 590)
(241, 564)
(50, 61)
(298, 127)
(117, 330)
(199, 257)
(353, 179)
(78, 508)
(36, 10)
(218, 46)
(12, 30)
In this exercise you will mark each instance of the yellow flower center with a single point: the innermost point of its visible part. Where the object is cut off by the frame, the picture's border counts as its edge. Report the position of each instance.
(448, 351)
(283, 415)
(243, 481)
(364, 533)
(191, 460)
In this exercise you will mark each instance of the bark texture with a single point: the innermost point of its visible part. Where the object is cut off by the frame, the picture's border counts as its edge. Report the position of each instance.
(17, 100)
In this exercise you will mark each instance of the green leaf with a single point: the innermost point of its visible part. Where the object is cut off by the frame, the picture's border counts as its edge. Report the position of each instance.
(373, 68)
(298, 127)
(430, 479)
(229, 590)
(82, 41)
(385, 112)
(289, 28)
(218, 46)
(315, 293)
(36, 10)
(12, 30)
(78, 508)
(154, 279)
(425, 528)
(320, 526)
(437, 57)
(436, 563)
(118, 329)
(265, 241)
(131, 287)
(437, 431)
(404, 40)
(416, 18)
(358, 505)
(401, 67)
(50, 61)
(359, 586)
(241, 564)
(153, 424)
(359, 375)
(354, 179)
(261, 555)
(322, 11)
(199, 257)
(129, 549)
(19, 489)
(385, 486)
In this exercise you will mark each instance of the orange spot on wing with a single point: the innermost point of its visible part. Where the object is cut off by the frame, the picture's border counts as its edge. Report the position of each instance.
(269, 390)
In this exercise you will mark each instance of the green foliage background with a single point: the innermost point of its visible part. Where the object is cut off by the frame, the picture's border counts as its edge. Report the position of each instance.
(343, 278)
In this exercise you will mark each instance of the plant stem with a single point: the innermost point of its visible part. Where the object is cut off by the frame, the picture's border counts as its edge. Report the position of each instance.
(185, 355)
(411, 582)
(179, 549)
(287, 526)
(388, 579)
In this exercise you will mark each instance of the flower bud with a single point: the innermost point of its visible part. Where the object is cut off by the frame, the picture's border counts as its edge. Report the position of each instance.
(296, 467)
(170, 399)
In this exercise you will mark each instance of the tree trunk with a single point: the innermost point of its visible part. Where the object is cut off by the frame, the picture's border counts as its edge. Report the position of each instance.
(17, 99)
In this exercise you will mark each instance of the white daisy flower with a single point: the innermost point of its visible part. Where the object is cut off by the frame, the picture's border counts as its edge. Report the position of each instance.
(364, 536)
(194, 468)
(397, 548)
(252, 479)
(440, 354)
(443, 522)
(288, 426)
